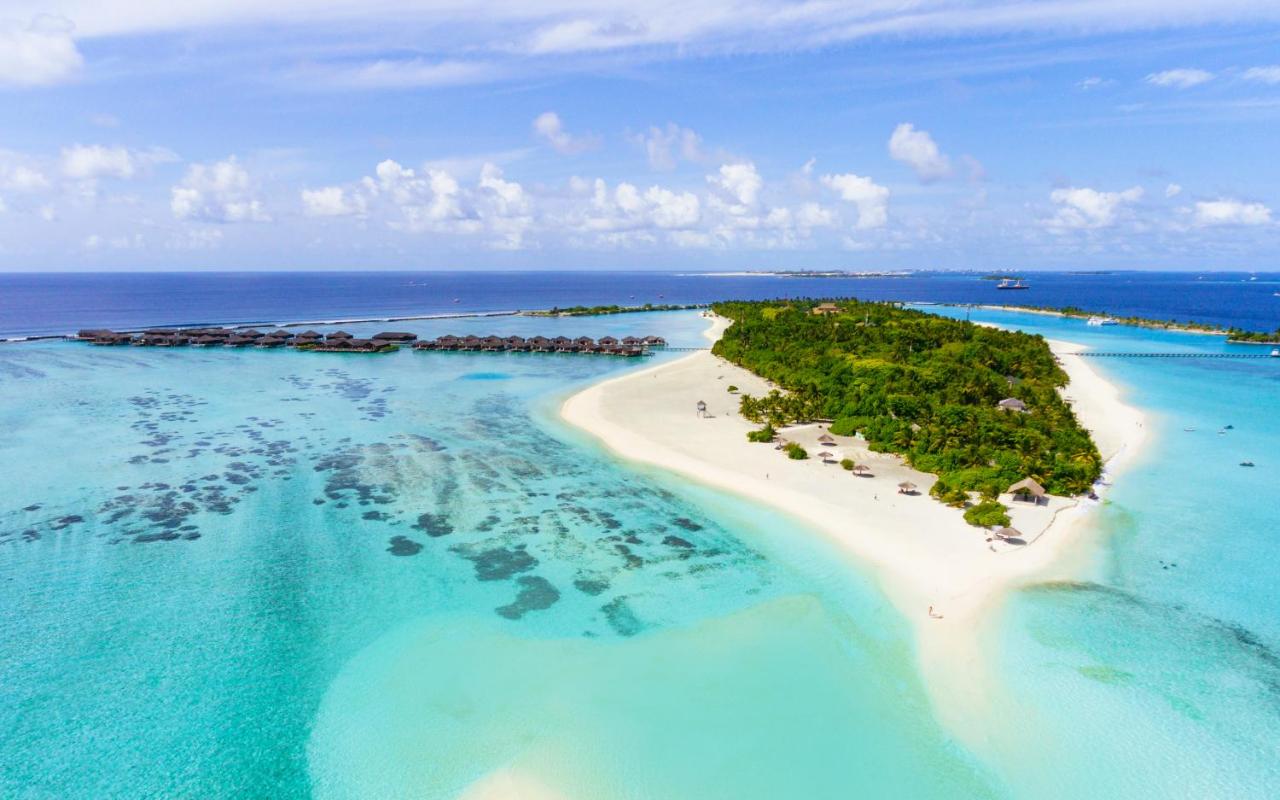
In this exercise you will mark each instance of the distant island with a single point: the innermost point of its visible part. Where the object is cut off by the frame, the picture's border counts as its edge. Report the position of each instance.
(1233, 334)
(977, 406)
(595, 311)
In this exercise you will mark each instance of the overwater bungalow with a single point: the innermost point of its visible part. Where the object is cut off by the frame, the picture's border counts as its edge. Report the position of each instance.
(280, 333)
(395, 336)
(470, 343)
(309, 335)
(90, 334)
(585, 341)
(655, 341)
(336, 335)
(207, 340)
(515, 343)
(492, 344)
(239, 340)
(160, 331)
(632, 341)
(112, 338)
(607, 341)
(270, 341)
(1028, 491)
(540, 344)
(252, 333)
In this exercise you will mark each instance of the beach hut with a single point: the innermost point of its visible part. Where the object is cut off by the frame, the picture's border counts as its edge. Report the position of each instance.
(906, 487)
(1011, 404)
(1027, 491)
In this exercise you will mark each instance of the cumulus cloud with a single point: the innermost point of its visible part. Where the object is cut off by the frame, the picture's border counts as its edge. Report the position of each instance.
(665, 147)
(22, 178)
(549, 127)
(739, 181)
(1179, 78)
(89, 162)
(917, 150)
(1090, 208)
(1172, 190)
(331, 201)
(870, 198)
(218, 192)
(1231, 212)
(1269, 74)
(38, 53)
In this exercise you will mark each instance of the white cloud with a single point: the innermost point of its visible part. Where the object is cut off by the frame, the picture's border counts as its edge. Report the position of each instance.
(1231, 212)
(1090, 208)
(39, 53)
(331, 201)
(673, 209)
(917, 150)
(1179, 78)
(1172, 190)
(1270, 74)
(22, 178)
(1093, 82)
(396, 74)
(218, 192)
(96, 161)
(665, 147)
(549, 126)
(739, 181)
(870, 198)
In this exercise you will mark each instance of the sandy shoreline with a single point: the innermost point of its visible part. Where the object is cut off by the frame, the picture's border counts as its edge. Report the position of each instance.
(922, 552)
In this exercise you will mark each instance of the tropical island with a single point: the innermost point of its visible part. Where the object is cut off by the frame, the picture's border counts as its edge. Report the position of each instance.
(842, 413)
(977, 406)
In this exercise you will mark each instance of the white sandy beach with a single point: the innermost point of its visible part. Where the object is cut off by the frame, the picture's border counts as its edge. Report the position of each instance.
(923, 552)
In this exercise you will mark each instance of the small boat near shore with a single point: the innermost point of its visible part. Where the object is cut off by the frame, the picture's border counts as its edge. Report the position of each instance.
(1008, 284)
(1100, 321)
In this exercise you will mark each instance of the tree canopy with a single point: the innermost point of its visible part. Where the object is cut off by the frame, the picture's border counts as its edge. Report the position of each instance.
(924, 386)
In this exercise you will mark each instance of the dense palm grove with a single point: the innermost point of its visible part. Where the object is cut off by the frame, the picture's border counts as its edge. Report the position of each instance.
(921, 385)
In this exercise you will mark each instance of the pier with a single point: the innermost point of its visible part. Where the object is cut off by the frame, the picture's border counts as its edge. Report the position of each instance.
(1093, 354)
(387, 341)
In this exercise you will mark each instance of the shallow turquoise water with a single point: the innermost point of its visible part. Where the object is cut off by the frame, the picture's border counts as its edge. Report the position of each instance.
(271, 574)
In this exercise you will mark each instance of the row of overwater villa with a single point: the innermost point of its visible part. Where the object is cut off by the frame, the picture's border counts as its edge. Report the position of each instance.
(343, 342)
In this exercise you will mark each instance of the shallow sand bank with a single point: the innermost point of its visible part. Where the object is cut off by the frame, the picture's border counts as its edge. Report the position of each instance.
(942, 573)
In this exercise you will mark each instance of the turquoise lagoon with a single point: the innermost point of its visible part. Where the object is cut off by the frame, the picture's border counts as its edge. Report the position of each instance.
(239, 574)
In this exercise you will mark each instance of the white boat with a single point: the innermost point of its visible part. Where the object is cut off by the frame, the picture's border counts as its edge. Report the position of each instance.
(1275, 352)
(1099, 321)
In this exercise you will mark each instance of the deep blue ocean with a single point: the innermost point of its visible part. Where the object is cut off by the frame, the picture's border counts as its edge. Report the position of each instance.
(43, 304)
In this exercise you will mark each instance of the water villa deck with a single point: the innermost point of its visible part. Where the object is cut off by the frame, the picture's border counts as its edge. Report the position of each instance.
(387, 341)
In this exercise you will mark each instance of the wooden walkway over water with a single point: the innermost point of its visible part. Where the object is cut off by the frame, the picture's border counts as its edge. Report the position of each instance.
(1099, 354)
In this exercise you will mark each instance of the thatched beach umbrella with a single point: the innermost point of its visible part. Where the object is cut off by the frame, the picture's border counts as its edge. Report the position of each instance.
(1009, 533)
(861, 470)
(906, 487)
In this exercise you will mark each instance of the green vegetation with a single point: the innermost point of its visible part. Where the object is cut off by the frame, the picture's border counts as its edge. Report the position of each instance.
(795, 452)
(916, 384)
(732, 388)
(846, 464)
(987, 514)
(764, 435)
(596, 311)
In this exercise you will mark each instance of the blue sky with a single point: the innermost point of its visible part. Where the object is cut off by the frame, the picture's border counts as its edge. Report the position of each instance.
(723, 134)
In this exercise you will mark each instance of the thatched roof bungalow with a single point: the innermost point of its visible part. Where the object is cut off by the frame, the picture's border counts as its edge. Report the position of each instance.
(655, 341)
(584, 341)
(395, 336)
(826, 309)
(1011, 404)
(607, 341)
(1027, 491)
(338, 335)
